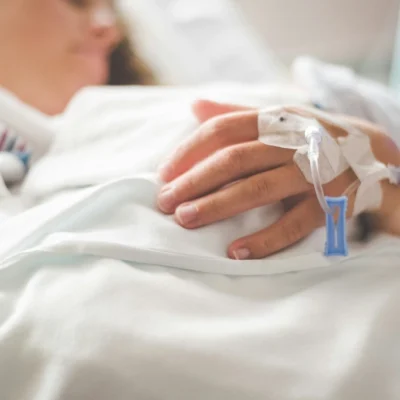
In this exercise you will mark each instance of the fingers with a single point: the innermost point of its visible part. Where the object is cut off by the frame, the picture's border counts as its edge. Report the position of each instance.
(389, 213)
(225, 166)
(292, 227)
(212, 136)
(385, 149)
(258, 190)
(303, 215)
(205, 110)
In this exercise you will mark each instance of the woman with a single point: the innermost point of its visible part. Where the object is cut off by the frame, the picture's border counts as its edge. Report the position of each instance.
(51, 49)
(54, 48)
(89, 305)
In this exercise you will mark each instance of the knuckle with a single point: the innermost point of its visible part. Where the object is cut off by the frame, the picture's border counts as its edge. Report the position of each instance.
(293, 231)
(262, 188)
(314, 213)
(188, 188)
(217, 129)
(213, 210)
(185, 189)
(267, 245)
(234, 159)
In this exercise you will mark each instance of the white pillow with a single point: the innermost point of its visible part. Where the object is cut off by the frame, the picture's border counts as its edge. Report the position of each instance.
(192, 42)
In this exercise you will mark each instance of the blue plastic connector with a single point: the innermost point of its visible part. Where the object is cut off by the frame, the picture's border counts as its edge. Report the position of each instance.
(336, 233)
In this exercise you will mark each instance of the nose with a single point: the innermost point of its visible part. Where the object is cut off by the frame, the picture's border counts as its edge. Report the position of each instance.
(104, 25)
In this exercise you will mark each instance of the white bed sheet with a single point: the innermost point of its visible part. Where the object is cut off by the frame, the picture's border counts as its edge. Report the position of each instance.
(103, 297)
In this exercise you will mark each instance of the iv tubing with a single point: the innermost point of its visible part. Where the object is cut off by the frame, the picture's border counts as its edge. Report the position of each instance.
(314, 137)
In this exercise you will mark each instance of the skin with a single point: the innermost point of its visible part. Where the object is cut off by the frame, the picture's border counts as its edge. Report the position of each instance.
(52, 48)
(224, 170)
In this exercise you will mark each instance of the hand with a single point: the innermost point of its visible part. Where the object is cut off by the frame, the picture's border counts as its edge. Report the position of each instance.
(224, 170)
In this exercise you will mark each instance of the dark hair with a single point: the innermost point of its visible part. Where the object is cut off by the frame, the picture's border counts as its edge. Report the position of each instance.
(126, 67)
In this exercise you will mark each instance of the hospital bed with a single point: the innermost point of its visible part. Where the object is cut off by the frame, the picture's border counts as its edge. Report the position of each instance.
(103, 297)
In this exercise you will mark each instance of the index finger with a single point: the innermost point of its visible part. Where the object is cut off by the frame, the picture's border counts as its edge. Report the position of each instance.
(215, 134)
(205, 109)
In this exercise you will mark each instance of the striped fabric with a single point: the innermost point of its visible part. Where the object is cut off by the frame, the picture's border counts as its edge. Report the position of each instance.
(12, 143)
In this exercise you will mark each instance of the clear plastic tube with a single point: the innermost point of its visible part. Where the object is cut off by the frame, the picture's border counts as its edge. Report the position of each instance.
(314, 138)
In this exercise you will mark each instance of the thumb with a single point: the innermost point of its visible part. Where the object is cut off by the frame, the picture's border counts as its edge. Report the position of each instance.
(205, 109)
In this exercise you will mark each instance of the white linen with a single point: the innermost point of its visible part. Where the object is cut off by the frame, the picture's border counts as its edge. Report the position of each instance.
(102, 296)
(338, 89)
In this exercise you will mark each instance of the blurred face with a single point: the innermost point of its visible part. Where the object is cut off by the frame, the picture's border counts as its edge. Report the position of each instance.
(49, 49)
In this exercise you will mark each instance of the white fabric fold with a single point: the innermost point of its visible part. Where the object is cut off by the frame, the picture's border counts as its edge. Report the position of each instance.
(103, 297)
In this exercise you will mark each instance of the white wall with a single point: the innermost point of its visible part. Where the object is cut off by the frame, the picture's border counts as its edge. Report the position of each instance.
(335, 30)
(359, 33)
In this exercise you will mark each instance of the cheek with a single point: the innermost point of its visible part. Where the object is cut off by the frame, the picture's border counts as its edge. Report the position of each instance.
(50, 28)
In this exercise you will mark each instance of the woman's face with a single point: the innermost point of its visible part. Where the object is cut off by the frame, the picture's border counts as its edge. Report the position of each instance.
(55, 46)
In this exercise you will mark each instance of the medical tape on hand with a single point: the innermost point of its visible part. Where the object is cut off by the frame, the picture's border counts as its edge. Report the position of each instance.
(394, 178)
(279, 128)
(357, 150)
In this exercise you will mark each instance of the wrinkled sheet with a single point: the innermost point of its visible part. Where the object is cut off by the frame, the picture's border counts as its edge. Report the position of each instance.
(102, 296)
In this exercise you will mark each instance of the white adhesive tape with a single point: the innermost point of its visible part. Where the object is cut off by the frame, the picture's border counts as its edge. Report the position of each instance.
(358, 152)
(394, 175)
(280, 128)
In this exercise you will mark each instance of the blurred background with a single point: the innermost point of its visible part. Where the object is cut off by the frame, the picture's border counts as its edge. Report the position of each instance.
(198, 41)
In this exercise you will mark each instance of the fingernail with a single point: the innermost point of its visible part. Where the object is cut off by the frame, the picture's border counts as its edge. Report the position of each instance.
(241, 254)
(186, 214)
(166, 200)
